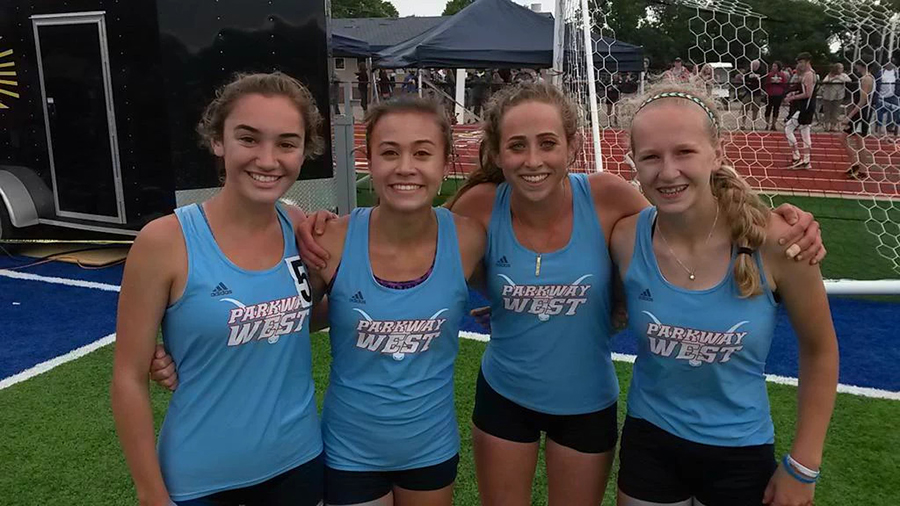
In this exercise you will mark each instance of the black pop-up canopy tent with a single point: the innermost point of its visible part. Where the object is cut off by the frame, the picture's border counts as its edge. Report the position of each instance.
(486, 34)
(343, 45)
(497, 33)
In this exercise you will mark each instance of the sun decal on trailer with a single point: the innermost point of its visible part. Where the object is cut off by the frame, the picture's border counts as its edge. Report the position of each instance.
(7, 78)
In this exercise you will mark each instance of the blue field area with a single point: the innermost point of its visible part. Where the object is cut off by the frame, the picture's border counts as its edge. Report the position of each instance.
(41, 321)
(866, 333)
(52, 319)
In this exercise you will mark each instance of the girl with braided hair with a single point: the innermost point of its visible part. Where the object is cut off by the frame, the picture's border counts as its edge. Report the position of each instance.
(548, 274)
(703, 274)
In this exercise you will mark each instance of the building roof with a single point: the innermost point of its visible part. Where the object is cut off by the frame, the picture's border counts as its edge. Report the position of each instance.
(382, 33)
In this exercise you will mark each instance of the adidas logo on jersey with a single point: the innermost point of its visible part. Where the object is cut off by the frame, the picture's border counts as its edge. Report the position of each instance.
(358, 298)
(502, 262)
(220, 290)
(645, 295)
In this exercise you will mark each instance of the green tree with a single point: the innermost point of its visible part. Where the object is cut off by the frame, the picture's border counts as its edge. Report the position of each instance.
(454, 6)
(621, 17)
(796, 26)
(668, 30)
(363, 9)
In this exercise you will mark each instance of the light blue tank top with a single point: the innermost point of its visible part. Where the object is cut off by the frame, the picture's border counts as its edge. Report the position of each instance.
(244, 410)
(389, 404)
(549, 349)
(700, 368)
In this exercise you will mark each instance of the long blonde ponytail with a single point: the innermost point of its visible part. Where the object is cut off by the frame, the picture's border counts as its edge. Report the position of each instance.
(748, 217)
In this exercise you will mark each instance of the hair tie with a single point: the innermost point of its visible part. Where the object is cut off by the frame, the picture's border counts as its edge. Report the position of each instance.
(745, 251)
(686, 96)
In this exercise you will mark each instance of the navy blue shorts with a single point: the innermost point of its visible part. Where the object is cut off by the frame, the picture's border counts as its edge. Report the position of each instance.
(657, 466)
(301, 486)
(354, 487)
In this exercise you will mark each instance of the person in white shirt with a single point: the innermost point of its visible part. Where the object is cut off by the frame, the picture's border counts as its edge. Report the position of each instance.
(834, 89)
(886, 94)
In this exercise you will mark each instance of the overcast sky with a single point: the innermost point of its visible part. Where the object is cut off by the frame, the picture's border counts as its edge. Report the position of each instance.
(436, 7)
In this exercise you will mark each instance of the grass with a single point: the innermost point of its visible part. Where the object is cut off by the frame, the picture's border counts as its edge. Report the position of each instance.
(851, 230)
(59, 444)
(847, 227)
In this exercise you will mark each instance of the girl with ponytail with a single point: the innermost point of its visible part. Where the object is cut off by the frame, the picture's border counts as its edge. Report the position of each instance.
(548, 274)
(702, 271)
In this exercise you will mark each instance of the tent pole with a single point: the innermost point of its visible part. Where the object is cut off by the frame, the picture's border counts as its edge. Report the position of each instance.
(373, 88)
(559, 39)
(419, 72)
(592, 84)
(460, 96)
(892, 41)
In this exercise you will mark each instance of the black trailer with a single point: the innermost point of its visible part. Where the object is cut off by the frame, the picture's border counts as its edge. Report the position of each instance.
(99, 99)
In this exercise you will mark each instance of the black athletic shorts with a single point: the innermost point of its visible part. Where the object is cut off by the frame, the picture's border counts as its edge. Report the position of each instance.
(657, 466)
(500, 417)
(804, 111)
(301, 486)
(859, 123)
(354, 487)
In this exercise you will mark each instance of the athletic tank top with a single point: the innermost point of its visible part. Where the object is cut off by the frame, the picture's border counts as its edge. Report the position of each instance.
(549, 349)
(806, 105)
(701, 359)
(389, 404)
(809, 105)
(244, 410)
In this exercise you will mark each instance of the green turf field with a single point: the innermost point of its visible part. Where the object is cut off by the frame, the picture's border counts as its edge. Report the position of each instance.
(847, 230)
(59, 446)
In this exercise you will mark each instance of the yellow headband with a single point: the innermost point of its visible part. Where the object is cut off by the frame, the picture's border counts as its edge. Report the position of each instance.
(686, 96)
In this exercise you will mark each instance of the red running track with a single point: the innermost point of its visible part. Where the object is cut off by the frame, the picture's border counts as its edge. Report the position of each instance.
(762, 157)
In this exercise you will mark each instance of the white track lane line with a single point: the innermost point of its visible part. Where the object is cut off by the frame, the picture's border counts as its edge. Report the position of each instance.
(59, 281)
(781, 380)
(72, 355)
(43, 367)
(56, 362)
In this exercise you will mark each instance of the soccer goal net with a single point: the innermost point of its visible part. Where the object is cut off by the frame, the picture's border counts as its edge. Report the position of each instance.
(726, 53)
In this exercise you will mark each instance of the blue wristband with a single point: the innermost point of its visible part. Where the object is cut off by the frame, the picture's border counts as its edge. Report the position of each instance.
(793, 472)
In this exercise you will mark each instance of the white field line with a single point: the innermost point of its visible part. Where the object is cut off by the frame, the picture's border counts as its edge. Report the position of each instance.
(474, 336)
(56, 362)
(59, 281)
(781, 380)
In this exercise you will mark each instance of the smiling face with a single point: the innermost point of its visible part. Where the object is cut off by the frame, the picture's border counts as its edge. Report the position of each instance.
(407, 159)
(534, 153)
(262, 147)
(674, 154)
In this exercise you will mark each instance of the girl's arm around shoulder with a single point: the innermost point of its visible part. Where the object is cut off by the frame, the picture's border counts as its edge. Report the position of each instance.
(472, 241)
(332, 241)
(614, 199)
(801, 289)
(296, 214)
(780, 268)
(621, 245)
(477, 203)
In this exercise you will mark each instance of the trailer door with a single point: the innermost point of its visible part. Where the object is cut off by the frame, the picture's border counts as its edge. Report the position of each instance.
(73, 66)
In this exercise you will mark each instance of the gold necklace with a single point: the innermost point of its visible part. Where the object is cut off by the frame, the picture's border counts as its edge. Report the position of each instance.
(537, 260)
(690, 272)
